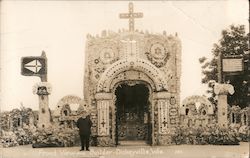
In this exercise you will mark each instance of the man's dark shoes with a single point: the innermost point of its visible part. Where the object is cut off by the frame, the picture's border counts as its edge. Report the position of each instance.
(87, 149)
(82, 150)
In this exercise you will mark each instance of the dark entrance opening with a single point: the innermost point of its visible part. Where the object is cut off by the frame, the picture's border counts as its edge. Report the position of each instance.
(132, 113)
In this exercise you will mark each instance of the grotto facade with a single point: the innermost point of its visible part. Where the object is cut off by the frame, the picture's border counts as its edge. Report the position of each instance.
(133, 77)
(132, 81)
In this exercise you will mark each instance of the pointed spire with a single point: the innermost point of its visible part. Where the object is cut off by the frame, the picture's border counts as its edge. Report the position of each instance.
(164, 33)
(43, 54)
(104, 33)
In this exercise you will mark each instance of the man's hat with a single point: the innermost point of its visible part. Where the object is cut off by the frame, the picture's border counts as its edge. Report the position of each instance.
(83, 113)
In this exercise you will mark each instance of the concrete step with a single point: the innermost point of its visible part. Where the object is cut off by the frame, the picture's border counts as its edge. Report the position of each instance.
(133, 143)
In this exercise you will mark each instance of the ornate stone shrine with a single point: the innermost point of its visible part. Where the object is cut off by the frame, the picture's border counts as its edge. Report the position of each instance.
(132, 93)
(132, 80)
(196, 111)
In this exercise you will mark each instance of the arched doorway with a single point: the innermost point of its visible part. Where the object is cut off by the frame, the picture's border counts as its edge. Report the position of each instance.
(134, 74)
(132, 113)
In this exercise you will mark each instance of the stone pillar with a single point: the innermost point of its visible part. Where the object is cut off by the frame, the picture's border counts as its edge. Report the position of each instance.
(221, 90)
(103, 117)
(103, 126)
(161, 121)
(163, 116)
(43, 89)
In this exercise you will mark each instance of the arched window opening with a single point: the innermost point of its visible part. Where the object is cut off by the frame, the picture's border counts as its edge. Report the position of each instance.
(245, 119)
(65, 112)
(233, 118)
(187, 111)
(204, 112)
(18, 122)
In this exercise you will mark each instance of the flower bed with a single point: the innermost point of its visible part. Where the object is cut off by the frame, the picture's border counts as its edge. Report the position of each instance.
(57, 137)
(17, 137)
(244, 134)
(8, 139)
(23, 136)
(65, 137)
(206, 135)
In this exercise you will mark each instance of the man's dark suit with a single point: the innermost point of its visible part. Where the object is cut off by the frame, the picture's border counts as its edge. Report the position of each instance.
(84, 125)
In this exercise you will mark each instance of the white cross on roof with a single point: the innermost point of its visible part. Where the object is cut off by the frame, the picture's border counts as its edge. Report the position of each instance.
(131, 16)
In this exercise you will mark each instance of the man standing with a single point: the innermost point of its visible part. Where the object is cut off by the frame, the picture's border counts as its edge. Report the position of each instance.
(84, 124)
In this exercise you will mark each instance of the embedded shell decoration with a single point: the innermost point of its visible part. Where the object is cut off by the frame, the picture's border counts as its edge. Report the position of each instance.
(42, 84)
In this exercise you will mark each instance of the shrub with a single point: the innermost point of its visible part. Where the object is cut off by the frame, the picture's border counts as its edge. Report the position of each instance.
(205, 135)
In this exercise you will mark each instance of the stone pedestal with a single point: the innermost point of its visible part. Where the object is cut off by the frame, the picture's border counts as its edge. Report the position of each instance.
(221, 90)
(43, 89)
(44, 113)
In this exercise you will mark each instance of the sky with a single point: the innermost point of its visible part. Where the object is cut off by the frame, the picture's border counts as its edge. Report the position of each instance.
(60, 28)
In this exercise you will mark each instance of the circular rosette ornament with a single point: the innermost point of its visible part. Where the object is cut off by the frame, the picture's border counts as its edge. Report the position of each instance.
(107, 55)
(158, 54)
(42, 88)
